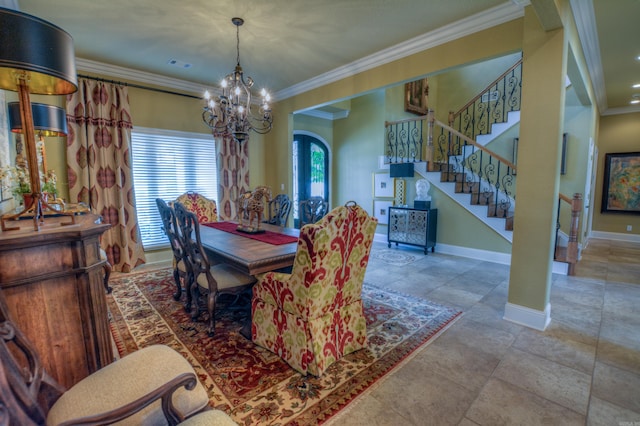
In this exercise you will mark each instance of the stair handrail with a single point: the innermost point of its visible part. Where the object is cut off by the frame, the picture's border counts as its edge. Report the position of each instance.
(452, 115)
(477, 145)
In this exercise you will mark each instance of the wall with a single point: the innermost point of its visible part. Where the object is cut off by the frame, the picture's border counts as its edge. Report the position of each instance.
(617, 133)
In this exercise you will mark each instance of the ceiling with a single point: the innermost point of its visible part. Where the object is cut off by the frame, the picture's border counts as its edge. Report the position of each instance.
(289, 46)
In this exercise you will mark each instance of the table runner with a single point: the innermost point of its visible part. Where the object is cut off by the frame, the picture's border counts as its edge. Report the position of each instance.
(266, 236)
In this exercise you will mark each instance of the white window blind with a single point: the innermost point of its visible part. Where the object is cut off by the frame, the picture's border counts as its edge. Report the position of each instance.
(167, 164)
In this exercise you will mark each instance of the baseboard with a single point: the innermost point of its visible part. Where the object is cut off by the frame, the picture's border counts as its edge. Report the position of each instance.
(634, 238)
(532, 318)
(560, 268)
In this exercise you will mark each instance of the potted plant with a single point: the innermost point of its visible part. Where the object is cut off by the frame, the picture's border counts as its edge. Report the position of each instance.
(49, 185)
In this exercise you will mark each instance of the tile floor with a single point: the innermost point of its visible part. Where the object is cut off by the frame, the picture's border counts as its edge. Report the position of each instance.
(583, 370)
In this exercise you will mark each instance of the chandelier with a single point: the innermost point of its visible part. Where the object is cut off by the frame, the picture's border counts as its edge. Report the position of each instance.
(232, 110)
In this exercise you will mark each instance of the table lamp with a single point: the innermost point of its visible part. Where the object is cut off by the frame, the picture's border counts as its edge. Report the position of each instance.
(35, 57)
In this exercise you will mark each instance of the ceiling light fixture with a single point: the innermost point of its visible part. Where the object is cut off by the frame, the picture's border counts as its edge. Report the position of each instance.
(636, 86)
(231, 111)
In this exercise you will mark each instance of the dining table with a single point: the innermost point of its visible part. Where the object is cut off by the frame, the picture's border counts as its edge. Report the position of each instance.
(253, 254)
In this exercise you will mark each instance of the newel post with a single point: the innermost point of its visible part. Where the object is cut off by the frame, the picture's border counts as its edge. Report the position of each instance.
(572, 247)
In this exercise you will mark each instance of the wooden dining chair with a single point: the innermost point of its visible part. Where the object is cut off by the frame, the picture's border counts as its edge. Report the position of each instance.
(312, 210)
(180, 261)
(204, 208)
(212, 280)
(278, 210)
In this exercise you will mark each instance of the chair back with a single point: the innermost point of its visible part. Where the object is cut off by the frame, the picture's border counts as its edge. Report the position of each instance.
(204, 208)
(170, 227)
(279, 208)
(190, 236)
(27, 391)
(332, 257)
(312, 210)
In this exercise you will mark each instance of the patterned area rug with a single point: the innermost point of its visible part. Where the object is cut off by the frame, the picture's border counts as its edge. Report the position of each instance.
(251, 384)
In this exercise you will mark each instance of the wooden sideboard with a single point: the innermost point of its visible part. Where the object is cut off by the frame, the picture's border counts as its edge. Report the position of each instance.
(52, 282)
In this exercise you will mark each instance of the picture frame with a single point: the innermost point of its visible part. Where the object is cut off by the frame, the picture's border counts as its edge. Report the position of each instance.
(383, 185)
(621, 175)
(381, 211)
(416, 97)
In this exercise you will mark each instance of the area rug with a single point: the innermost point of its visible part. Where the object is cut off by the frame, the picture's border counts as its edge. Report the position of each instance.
(250, 383)
(395, 256)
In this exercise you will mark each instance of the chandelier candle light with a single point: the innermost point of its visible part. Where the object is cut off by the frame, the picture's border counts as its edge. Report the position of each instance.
(231, 111)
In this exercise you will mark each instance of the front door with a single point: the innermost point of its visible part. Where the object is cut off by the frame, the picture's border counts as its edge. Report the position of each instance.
(310, 171)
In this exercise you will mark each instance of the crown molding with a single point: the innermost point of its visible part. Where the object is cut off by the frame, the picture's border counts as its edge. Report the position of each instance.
(470, 25)
(325, 115)
(622, 110)
(584, 16)
(115, 71)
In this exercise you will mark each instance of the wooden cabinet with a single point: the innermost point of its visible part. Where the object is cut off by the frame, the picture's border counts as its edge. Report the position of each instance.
(52, 282)
(412, 226)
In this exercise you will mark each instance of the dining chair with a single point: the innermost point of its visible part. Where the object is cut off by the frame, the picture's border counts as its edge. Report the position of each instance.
(312, 210)
(204, 208)
(154, 385)
(180, 262)
(314, 316)
(278, 210)
(203, 277)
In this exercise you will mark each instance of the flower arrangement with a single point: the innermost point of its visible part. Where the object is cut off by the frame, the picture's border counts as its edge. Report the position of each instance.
(20, 183)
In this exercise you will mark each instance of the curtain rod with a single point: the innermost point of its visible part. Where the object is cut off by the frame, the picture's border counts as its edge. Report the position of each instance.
(138, 86)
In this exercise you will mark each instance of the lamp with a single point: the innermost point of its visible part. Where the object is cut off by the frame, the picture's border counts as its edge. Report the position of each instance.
(38, 59)
(231, 111)
(48, 120)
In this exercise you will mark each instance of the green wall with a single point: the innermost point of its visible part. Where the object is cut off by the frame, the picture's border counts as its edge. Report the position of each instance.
(617, 133)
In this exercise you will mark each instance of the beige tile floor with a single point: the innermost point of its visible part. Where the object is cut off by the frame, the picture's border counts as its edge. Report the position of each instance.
(583, 370)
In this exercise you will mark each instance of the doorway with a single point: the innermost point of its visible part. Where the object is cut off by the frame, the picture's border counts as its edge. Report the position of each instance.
(310, 170)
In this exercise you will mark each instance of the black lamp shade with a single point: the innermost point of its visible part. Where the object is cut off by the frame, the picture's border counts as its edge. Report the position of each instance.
(43, 50)
(48, 120)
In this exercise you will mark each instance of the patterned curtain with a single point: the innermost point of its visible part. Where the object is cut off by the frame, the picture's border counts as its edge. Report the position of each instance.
(99, 166)
(233, 174)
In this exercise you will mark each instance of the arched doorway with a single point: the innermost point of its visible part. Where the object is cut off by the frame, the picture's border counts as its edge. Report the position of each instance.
(310, 170)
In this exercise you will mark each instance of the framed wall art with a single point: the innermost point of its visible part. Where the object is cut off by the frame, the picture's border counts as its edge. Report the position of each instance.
(416, 96)
(621, 183)
(381, 211)
(383, 185)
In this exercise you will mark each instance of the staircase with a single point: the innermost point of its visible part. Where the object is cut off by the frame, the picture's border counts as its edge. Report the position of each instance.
(456, 159)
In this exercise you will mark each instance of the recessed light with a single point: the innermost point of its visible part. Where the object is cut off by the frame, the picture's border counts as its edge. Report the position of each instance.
(636, 86)
(635, 101)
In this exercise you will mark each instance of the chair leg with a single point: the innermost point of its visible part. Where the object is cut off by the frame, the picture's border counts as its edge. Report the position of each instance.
(176, 277)
(211, 307)
(194, 304)
(107, 273)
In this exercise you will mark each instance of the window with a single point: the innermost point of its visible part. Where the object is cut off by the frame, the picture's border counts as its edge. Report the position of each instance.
(165, 165)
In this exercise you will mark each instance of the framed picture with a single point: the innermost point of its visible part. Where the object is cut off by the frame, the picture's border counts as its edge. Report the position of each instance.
(621, 182)
(563, 160)
(416, 96)
(381, 211)
(383, 185)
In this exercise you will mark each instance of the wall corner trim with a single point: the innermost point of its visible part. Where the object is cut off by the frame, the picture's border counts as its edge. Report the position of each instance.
(532, 318)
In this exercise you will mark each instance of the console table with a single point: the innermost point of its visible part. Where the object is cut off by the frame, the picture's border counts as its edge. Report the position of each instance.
(412, 226)
(52, 281)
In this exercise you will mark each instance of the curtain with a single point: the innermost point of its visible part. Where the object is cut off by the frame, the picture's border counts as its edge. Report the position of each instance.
(99, 166)
(233, 174)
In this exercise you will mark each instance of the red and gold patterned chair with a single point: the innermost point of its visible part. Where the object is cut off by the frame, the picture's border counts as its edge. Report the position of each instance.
(204, 208)
(313, 316)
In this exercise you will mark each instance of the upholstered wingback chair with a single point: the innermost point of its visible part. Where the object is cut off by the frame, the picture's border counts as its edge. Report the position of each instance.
(313, 316)
(204, 208)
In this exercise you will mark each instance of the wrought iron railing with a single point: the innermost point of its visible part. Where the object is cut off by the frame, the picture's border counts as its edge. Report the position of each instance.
(489, 177)
(404, 140)
(490, 106)
(567, 222)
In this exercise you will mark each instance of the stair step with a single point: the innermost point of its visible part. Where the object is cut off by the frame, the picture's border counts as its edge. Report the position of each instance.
(482, 198)
(508, 225)
(467, 187)
(495, 210)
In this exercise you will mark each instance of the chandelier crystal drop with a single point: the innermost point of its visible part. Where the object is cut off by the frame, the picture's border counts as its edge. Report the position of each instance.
(232, 111)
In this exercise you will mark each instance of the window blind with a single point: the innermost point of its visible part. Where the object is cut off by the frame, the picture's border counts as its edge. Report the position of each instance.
(165, 165)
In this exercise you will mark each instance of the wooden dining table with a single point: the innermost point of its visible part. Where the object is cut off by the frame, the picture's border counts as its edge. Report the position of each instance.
(246, 254)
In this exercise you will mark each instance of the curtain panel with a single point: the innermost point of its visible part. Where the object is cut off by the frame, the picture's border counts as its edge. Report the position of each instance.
(99, 166)
(233, 174)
